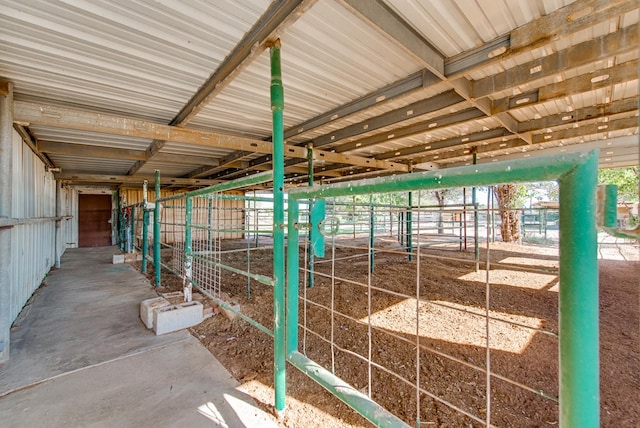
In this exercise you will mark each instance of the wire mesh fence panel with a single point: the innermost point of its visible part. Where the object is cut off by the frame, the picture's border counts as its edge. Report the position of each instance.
(466, 338)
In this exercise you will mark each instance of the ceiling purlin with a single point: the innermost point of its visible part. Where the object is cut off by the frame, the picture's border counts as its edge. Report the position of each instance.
(278, 16)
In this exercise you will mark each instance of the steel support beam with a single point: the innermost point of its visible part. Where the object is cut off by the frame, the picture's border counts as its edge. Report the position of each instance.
(63, 117)
(584, 130)
(388, 24)
(625, 106)
(449, 142)
(622, 73)
(583, 53)
(6, 212)
(402, 88)
(128, 179)
(563, 22)
(439, 122)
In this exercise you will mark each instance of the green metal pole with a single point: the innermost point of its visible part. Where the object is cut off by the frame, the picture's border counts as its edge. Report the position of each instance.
(474, 201)
(311, 275)
(209, 221)
(277, 109)
(292, 276)
(131, 230)
(410, 227)
(372, 225)
(579, 360)
(188, 249)
(156, 230)
(145, 227)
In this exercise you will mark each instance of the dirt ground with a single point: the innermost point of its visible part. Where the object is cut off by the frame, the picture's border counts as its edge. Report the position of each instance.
(452, 334)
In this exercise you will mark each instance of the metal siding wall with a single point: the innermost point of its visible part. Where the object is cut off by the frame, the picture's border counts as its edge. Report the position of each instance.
(231, 217)
(33, 245)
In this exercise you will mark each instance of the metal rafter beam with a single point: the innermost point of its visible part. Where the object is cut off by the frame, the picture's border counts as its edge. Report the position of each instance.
(627, 105)
(563, 22)
(397, 90)
(590, 129)
(419, 108)
(443, 144)
(622, 73)
(417, 128)
(378, 16)
(70, 177)
(62, 117)
(464, 152)
(279, 15)
(583, 53)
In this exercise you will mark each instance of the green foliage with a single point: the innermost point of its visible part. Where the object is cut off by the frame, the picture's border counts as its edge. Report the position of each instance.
(625, 178)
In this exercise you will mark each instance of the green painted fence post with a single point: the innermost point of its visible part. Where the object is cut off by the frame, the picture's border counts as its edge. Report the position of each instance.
(156, 230)
(311, 276)
(578, 314)
(188, 248)
(277, 110)
(145, 227)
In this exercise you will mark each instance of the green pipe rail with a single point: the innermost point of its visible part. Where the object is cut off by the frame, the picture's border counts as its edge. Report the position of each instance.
(578, 297)
(277, 110)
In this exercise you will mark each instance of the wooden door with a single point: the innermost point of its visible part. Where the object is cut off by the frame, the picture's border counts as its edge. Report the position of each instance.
(94, 227)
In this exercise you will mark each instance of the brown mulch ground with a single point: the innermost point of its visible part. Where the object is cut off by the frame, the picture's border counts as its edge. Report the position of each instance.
(523, 291)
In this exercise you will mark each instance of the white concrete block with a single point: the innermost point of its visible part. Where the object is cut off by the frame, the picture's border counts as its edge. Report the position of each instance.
(174, 297)
(147, 307)
(176, 317)
(118, 258)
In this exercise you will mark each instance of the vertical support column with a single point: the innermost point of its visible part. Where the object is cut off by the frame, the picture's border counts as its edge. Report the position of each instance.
(372, 227)
(474, 201)
(6, 196)
(145, 227)
(156, 231)
(578, 314)
(277, 109)
(293, 236)
(210, 223)
(188, 249)
(311, 276)
(58, 240)
(131, 231)
(410, 227)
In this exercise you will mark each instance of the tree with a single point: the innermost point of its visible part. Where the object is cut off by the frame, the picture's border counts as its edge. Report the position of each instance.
(510, 197)
(625, 178)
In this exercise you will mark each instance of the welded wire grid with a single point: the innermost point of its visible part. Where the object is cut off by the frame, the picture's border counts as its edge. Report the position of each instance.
(382, 311)
(172, 234)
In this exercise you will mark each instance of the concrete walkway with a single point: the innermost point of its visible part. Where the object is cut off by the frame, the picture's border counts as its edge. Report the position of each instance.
(80, 356)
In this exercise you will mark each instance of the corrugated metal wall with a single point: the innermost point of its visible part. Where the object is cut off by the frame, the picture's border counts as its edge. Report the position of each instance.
(229, 218)
(33, 245)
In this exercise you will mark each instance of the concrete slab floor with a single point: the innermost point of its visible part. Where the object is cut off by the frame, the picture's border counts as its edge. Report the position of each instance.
(80, 356)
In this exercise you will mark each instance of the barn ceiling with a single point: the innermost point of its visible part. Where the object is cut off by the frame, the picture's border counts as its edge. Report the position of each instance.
(108, 92)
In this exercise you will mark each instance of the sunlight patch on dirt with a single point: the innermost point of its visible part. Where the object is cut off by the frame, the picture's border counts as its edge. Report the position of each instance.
(536, 281)
(528, 261)
(455, 323)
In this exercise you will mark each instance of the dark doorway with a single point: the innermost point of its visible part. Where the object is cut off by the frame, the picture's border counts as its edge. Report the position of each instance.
(94, 227)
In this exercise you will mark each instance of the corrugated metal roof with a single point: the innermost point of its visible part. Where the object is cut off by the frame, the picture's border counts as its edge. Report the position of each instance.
(329, 58)
(88, 165)
(141, 57)
(457, 26)
(49, 133)
(146, 59)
